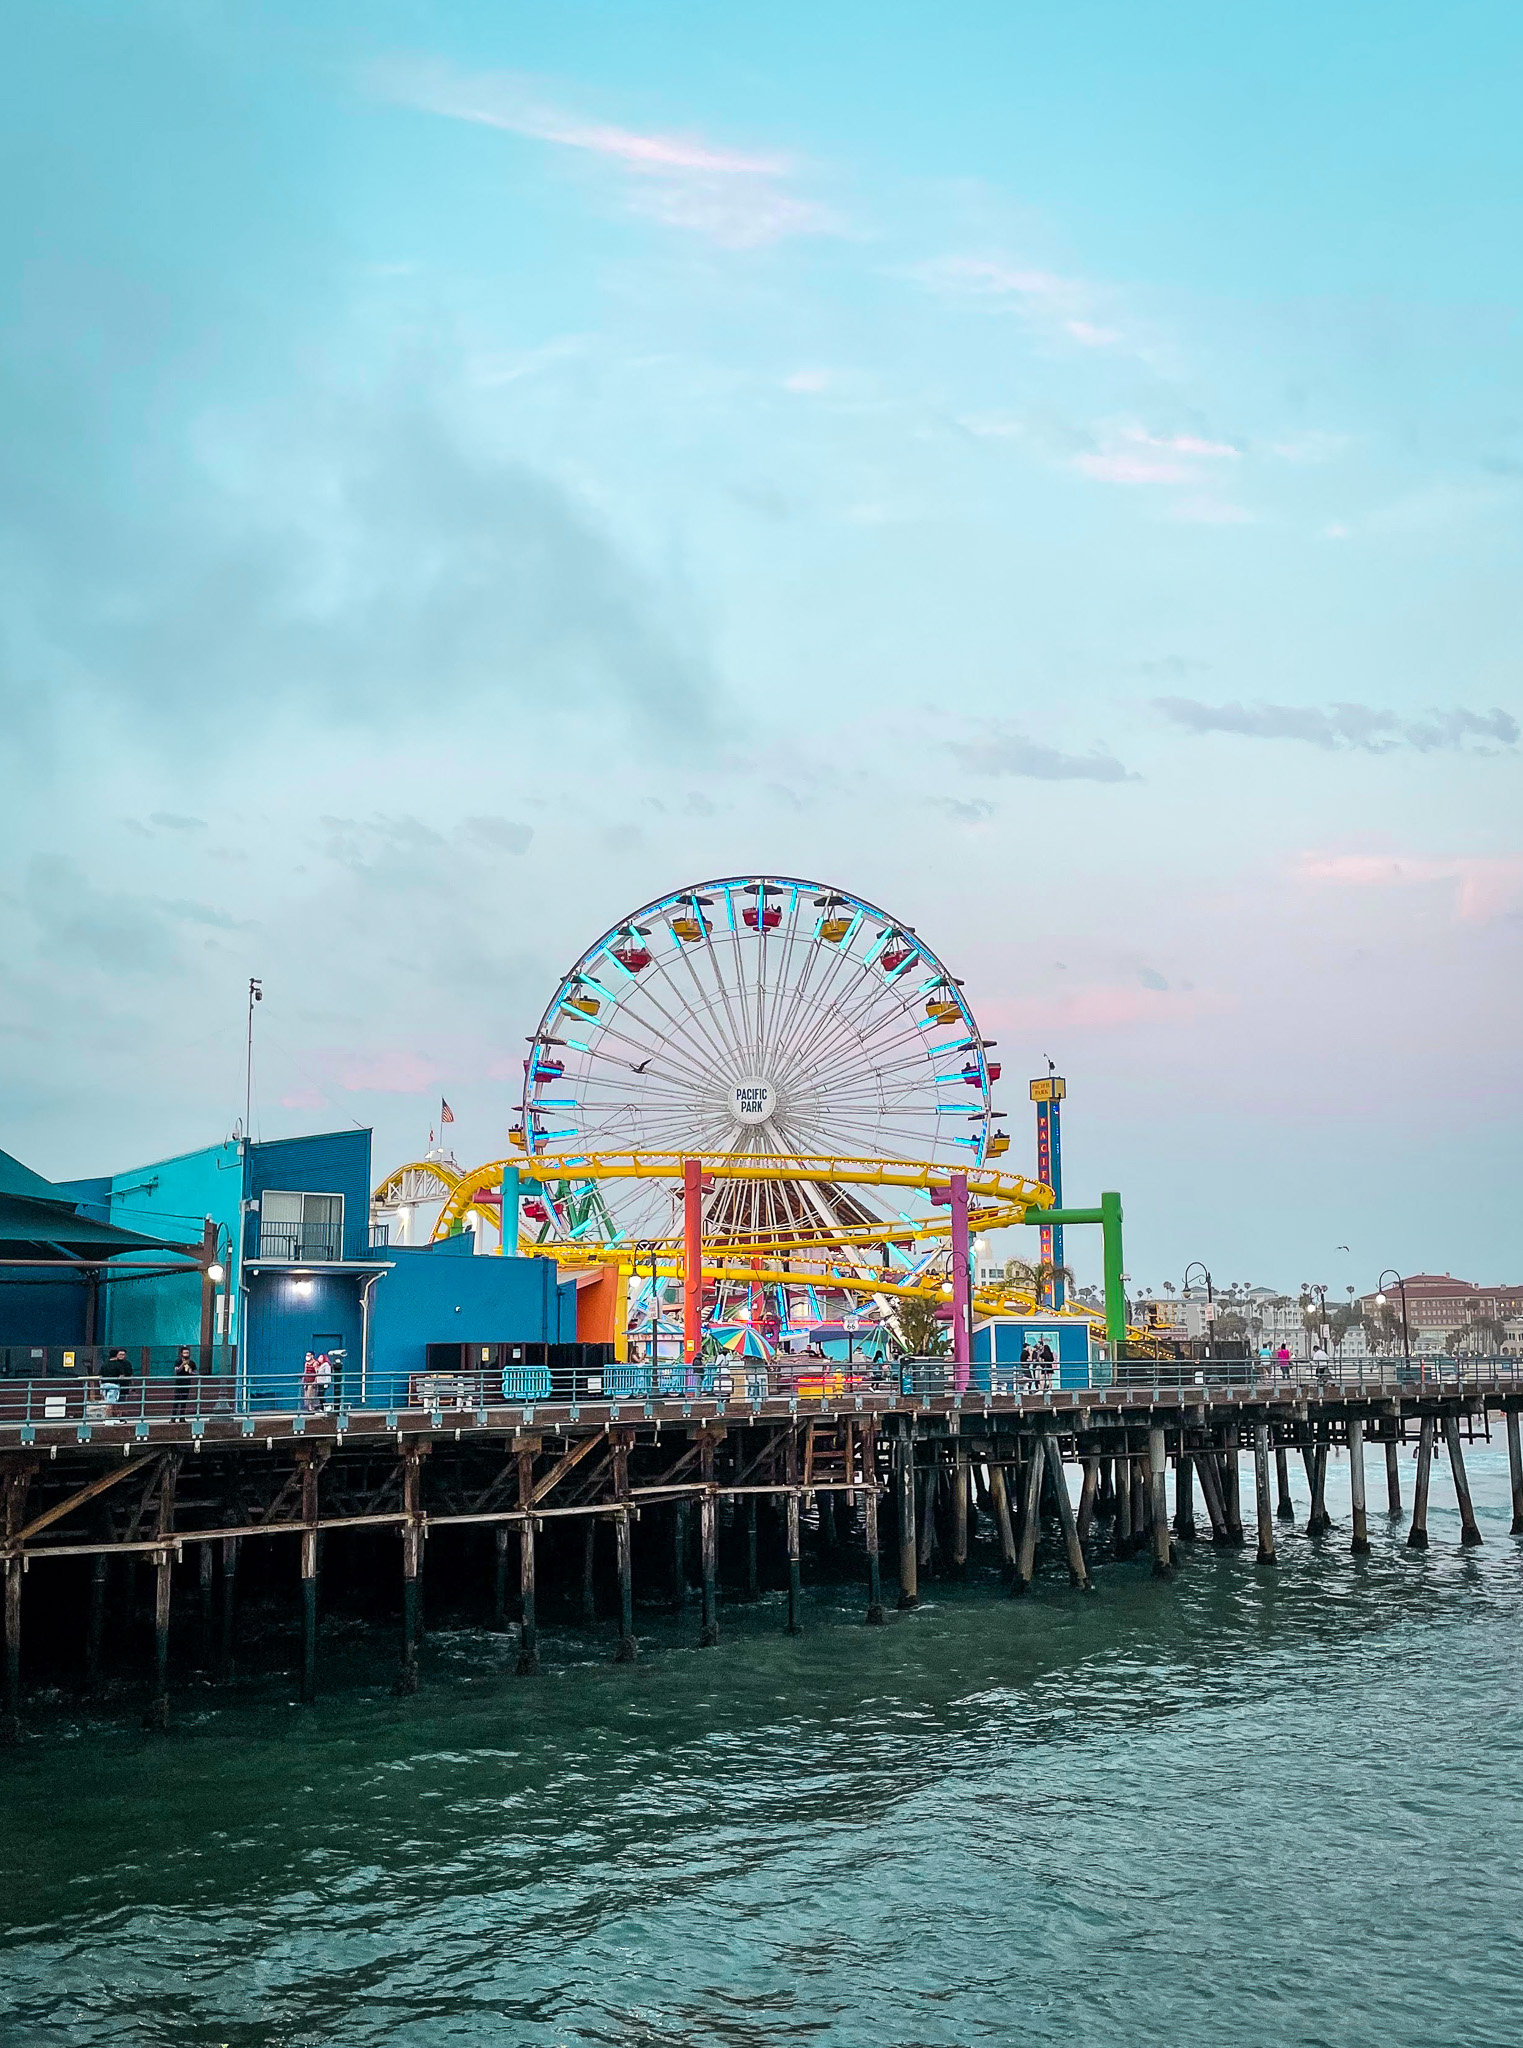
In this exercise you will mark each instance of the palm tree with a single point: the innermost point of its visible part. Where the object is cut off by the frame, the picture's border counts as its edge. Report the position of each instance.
(918, 1327)
(1038, 1277)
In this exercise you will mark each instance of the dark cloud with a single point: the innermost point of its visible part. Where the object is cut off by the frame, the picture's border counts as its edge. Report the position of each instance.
(1347, 727)
(171, 821)
(113, 931)
(973, 811)
(1003, 750)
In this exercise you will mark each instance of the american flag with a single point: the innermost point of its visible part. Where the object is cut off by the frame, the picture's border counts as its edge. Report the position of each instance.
(446, 1114)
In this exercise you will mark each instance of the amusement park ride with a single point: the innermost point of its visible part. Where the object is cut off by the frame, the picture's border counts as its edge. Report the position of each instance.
(758, 1116)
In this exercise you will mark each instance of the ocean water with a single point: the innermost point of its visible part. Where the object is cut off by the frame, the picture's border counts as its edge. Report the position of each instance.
(1236, 1807)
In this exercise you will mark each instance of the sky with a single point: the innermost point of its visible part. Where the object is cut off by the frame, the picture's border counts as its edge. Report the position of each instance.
(1057, 472)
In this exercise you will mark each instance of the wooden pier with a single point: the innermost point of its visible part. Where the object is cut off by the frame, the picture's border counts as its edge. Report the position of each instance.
(603, 1506)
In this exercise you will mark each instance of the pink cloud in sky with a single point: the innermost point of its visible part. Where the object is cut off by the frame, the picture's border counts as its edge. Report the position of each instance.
(731, 196)
(389, 1073)
(1132, 455)
(1125, 467)
(1101, 1007)
(303, 1098)
(1485, 888)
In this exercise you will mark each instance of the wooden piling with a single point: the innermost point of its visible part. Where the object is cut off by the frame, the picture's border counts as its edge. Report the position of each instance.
(1184, 1496)
(1141, 1499)
(1078, 1569)
(867, 1444)
(1088, 1489)
(528, 1622)
(1470, 1534)
(628, 1649)
(708, 1538)
(1319, 1521)
(1515, 1471)
(928, 1485)
(230, 1546)
(1417, 1535)
(679, 1554)
(309, 1472)
(1158, 1500)
(1210, 1475)
(1285, 1508)
(412, 1567)
(795, 1573)
(960, 1508)
(1393, 1478)
(1031, 1522)
(1232, 1501)
(503, 1536)
(100, 1568)
(753, 1563)
(1261, 1492)
(157, 1715)
(909, 1557)
(1360, 1544)
(1105, 1500)
(207, 1573)
(17, 1479)
(1121, 1528)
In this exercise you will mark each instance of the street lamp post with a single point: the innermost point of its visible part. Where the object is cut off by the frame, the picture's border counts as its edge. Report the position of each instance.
(1210, 1296)
(1390, 1273)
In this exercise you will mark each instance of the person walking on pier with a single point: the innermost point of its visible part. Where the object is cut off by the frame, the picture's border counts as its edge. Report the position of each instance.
(309, 1385)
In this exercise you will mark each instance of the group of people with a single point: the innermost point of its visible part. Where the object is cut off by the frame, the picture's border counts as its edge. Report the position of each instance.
(317, 1382)
(1037, 1362)
(117, 1375)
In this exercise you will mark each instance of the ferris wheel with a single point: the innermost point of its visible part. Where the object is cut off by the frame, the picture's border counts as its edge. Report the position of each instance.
(756, 1016)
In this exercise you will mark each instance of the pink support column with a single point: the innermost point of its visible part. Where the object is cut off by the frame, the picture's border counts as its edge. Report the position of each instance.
(692, 1260)
(955, 1196)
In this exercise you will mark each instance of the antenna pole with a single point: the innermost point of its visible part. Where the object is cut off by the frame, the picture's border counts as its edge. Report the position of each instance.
(256, 995)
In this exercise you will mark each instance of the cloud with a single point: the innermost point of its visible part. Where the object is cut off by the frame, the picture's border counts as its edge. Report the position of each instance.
(734, 197)
(391, 1072)
(973, 811)
(1348, 727)
(1061, 305)
(1133, 455)
(172, 822)
(503, 833)
(1003, 750)
(91, 929)
(349, 558)
(1485, 888)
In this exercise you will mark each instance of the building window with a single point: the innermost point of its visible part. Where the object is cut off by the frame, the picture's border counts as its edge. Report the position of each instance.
(306, 1228)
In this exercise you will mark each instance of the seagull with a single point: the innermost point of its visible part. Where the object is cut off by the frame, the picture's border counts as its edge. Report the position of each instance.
(1341, 1247)
(641, 1068)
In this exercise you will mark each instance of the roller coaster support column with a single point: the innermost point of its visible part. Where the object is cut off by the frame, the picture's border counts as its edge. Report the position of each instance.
(1108, 1216)
(1048, 1094)
(694, 1184)
(954, 1195)
(511, 1190)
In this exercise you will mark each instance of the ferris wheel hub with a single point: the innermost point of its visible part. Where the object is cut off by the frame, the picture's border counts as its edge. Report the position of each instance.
(753, 1100)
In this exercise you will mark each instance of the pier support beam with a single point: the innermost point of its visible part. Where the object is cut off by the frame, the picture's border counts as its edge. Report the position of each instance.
(1319, 1521)
(868, 1443)
(1031, 1522)
(1515, 1471)
(1232, 1499)
(1087, 1492)
(1470, 1534)
(1417, 1535)
(1184, 1497)
(1261, 1492)
(309, 1580)
(589, 1573)
(960, 1508)
(753, 1568)
(999, 1497)
(207, 1572)
(230, 1545)
(1105, 1500)
(909, 1556)
(157, 1715)
(17, 1481)
(412, 1568)
(628, 1650)
(502, 1536)
(1360, 1545)
(708, 1543)
(1393, 1478)
(1121, 1528)
(1285, 1508)
(1078, 1570)
(795, 1574)
(1158, 1475)
(528, 1625)
(1210, 1473)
